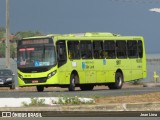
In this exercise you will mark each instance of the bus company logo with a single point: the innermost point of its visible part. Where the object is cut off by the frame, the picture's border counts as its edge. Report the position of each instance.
(6, 114)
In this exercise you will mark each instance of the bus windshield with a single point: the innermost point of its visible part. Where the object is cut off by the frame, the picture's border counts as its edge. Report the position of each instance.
(36, 56)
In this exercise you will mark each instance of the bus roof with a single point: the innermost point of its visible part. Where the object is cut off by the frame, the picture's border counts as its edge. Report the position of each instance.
(86, 34)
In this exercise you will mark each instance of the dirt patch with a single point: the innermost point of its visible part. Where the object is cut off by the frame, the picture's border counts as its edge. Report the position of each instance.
(150, 97)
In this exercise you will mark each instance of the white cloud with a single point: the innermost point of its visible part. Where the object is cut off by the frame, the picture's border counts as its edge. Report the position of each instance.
(155, 10)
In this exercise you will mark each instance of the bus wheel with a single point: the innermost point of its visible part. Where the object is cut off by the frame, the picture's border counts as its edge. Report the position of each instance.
(118, 82)
(40, 88)
(86, 87)
(72, 84)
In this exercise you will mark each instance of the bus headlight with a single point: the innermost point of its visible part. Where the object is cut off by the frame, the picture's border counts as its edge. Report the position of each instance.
(20, 76)
(9, 79)
(51, 74)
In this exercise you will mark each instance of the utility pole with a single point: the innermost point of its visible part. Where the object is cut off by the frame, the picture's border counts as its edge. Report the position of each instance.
(7, 36)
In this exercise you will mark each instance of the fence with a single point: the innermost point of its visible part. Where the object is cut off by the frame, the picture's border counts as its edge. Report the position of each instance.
(153, 65)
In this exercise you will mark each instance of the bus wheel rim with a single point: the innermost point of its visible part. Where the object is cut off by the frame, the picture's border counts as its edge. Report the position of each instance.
(73, 82)
(119, 81)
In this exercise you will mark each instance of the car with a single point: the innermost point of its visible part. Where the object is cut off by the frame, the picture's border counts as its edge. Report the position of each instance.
(7, 78)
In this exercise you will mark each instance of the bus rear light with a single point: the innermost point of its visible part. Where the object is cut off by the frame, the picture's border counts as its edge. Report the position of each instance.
(51, 74)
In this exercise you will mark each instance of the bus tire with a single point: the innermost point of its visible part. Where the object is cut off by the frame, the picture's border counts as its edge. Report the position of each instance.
(40, 88)
(72, 84)
(86, 87)
(118, 81)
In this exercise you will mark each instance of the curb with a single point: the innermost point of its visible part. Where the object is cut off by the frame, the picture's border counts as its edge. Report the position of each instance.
(104, 107)
(47, 101)
(151, 84)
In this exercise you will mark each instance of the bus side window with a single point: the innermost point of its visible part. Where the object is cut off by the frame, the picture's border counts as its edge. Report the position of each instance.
(61, 52)
(73, 50)
(86, 49)
(109, 47)
(121, 49)
(132, 49)
(140, 49)
(97, 48)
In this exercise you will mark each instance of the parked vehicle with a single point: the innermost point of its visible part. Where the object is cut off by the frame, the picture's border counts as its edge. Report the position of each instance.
(7, 78)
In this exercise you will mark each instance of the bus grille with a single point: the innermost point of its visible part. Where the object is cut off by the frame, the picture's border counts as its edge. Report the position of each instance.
(35, 80)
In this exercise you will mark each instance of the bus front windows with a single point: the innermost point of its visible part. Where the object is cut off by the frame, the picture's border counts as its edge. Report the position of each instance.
(36, 56)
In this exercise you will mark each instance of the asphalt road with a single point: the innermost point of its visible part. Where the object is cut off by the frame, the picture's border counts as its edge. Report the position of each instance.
(94, 93)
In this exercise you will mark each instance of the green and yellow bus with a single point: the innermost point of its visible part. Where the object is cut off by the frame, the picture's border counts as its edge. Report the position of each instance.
(80, 60)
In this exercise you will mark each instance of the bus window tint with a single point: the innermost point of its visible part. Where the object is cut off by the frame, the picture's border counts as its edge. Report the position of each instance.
(121, 49)
(132, 49)
(140, 49)
(109, 47)
(86, 49)
(73, 50)
(97, 49)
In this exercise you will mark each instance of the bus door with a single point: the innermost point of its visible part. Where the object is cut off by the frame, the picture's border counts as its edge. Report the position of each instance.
(88, 64)
(99, 61)
(136, 58)
(110, 61)
(123, 62)
(62, 60)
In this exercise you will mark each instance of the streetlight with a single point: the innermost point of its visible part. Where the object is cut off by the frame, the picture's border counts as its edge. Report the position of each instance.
(7, 36)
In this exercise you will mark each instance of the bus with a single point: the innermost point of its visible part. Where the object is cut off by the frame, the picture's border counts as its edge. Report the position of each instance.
(80, 60)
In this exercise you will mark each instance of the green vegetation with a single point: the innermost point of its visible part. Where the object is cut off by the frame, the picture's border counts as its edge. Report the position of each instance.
(2, 32)
(61, 100)
(72, 101)
(35, 102)
(16, 36)
(20, 35)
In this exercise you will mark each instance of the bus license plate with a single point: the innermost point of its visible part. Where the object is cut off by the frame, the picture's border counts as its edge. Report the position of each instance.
(34, 81)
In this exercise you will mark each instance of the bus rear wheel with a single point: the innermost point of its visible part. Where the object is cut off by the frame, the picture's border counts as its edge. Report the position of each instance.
(118, 82)
(40, 88)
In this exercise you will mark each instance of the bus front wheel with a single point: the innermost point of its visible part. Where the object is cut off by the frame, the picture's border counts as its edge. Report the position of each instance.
(72, 84)
(40, 88)
(118, 82)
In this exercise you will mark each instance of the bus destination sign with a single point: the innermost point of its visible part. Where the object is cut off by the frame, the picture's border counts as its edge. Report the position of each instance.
(35, 41)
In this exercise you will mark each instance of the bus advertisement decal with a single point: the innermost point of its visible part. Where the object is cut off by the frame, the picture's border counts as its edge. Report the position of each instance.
(83, 65)
(104, 61)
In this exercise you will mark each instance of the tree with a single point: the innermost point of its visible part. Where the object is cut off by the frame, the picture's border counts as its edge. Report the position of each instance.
(20, 35)
(2, 32)
(2, 50)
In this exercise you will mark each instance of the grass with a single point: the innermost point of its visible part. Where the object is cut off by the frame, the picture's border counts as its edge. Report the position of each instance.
(34, 102)
(61, 100)
(72, 101)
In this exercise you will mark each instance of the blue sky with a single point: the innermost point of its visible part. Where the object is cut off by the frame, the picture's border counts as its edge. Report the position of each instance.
(125, 17)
